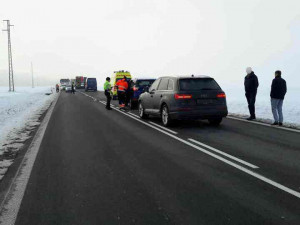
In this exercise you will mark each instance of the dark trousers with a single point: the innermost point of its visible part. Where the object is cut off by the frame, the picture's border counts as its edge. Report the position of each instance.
(251, 97)
(108, 98)
(128, 95)
(73, 91)
(121, 97)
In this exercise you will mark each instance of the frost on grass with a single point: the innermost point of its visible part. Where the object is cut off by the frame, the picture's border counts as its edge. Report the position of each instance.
(19, 116)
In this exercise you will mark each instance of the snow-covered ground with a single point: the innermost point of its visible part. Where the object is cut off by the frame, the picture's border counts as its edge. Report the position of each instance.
(19, 115)
(237, 104)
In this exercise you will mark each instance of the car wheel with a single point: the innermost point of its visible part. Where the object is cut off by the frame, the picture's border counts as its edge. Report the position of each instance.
(215, 122)
(142, 111)
(165, 116)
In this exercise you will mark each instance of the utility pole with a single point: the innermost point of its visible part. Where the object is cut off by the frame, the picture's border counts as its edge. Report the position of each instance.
(10, 65)
(32, 75)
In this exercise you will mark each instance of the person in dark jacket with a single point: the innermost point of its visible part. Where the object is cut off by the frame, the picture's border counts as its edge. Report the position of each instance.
(278, 91)
(251, 85)
(128, 92)
(73, 88)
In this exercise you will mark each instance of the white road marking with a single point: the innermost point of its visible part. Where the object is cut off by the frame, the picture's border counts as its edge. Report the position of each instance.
(225, 154)
(164, 128)
(12, 201)
(264, 124)
(134, 115)
(245, 170)
(249, 172)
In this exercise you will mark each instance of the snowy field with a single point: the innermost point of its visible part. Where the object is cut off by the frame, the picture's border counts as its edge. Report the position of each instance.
(19, 115)
(237, 104)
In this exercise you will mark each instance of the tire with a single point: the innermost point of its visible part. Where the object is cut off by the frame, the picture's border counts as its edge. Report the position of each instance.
(215, 122)
(165, 116)
(142, 111)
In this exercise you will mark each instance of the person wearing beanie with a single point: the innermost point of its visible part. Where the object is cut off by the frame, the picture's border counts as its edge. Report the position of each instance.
(278, 91)
(251, 85)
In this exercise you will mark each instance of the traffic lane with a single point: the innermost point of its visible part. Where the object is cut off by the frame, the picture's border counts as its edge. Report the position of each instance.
(261, 146)
(77, 177)
(197, 163)
(276, 152)
(84, 175)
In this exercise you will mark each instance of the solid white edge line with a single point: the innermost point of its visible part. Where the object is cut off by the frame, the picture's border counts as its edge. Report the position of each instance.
(12, 201)
(134, 115)
(225, 154)
(264, 124)
(164, 128)
(254, 174)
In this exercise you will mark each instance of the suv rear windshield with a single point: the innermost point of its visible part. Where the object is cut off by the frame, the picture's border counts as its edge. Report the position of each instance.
(144, 83)
(194, 84)
(91, 80)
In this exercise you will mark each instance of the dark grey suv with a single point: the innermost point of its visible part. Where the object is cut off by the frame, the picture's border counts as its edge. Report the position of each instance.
(184, 97)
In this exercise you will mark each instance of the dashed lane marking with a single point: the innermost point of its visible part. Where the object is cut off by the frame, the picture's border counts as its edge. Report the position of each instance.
(225, 154)
(241, 168)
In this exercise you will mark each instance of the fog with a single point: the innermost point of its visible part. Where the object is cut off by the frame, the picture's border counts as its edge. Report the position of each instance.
(151, 38)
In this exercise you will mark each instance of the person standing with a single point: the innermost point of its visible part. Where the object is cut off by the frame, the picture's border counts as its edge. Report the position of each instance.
(251, 84)
(122, 86)
(73, 88)
(57, 88)
(278, 91)
(128, 92)
(107, 91)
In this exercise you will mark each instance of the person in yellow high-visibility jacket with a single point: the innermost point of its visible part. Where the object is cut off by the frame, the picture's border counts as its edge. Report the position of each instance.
(107, 92)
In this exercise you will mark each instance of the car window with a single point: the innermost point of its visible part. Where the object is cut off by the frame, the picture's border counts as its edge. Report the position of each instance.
(154, 85)
(171, 85)
(198, 84)
(163, 85)
(144, 83)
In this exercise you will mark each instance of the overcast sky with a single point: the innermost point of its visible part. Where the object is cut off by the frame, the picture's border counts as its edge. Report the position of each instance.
(151, 38)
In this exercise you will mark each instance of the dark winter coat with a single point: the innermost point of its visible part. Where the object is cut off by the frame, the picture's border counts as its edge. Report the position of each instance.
(251, 83)
(278, 88)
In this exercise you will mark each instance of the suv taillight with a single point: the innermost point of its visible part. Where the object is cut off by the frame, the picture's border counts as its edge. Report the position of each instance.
(182, 96)
(221, 95)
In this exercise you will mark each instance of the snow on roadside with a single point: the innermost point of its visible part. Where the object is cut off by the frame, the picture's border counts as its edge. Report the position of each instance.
(238, 107)
(19, 115)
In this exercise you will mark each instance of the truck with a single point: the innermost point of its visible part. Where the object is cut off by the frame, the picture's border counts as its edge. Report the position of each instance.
(80, 82)
(64, 82)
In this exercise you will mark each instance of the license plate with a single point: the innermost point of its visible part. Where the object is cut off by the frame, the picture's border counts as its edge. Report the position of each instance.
(205, 101)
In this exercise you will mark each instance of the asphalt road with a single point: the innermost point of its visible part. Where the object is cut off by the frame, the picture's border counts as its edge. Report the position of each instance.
(108, 167)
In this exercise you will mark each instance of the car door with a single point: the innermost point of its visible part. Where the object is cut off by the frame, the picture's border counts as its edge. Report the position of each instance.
(158, 95)
(148, 96)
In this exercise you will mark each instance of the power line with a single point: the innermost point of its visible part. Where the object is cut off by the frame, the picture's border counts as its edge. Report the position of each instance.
(10, 65)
